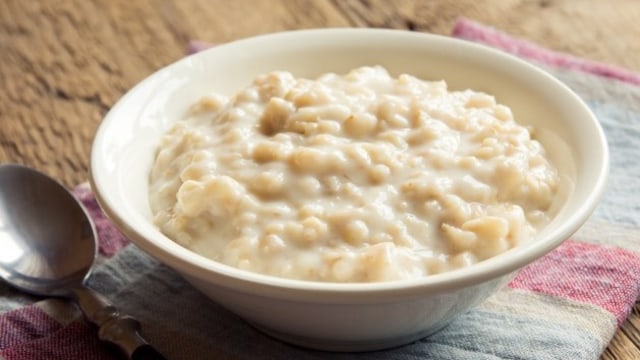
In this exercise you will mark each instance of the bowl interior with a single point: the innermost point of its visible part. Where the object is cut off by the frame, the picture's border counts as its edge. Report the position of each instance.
(127, 139)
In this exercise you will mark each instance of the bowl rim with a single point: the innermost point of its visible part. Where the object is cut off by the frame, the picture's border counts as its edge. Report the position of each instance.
(198, 267)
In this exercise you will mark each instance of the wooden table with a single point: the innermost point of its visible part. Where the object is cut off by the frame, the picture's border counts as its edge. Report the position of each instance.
(63, 64)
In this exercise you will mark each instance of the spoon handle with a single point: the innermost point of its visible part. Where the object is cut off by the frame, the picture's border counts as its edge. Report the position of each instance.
(113, 327)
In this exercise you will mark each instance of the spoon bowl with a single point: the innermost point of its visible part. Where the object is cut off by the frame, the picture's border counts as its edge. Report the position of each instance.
(48, 247)
(47, 239)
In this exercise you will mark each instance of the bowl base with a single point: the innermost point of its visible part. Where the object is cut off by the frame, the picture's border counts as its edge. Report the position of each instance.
(336, 345)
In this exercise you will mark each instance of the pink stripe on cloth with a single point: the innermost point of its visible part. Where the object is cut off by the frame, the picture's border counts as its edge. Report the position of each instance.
(75, 341)
(471, 30)
(589, 273)
(110, 240)
(24, 325)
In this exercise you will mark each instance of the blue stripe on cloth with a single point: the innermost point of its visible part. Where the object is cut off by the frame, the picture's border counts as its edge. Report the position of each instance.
(620, 203)
(557, 311)
(508, 336)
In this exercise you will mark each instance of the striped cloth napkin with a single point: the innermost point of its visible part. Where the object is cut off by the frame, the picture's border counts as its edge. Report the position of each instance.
(567, 305)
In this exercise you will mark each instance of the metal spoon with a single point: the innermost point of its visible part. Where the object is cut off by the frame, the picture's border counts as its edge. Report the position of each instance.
(47, 248)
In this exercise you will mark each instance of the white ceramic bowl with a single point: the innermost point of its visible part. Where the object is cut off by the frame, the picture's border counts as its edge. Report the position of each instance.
(346, 316)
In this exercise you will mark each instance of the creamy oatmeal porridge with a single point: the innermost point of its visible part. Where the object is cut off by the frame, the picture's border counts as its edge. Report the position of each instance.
(350, 178)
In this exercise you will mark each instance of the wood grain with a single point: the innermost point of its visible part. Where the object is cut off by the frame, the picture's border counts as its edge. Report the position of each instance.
(63, 64)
